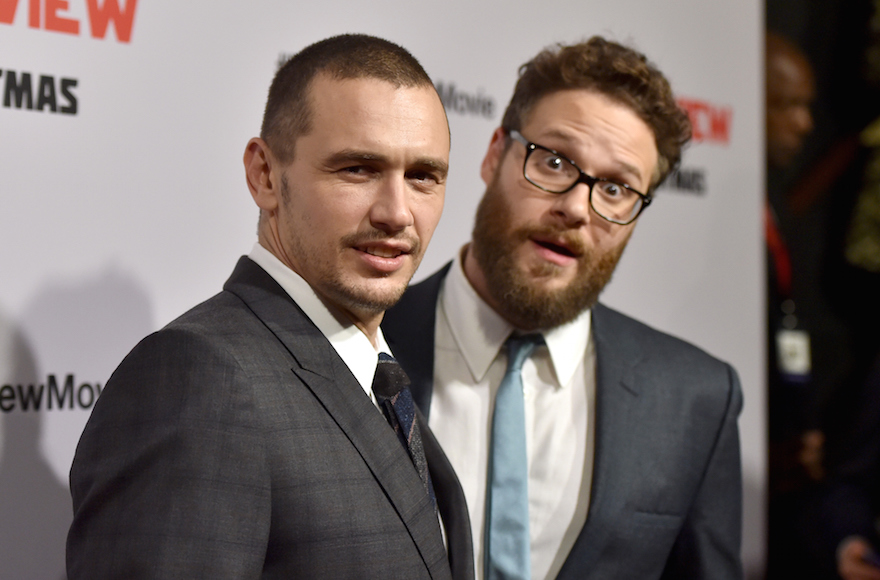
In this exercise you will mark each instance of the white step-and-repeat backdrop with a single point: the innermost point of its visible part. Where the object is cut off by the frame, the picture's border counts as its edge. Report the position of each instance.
(123, 199)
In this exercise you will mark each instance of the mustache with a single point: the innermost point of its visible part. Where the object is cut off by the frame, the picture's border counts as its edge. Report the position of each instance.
(569, 238)
(412, 243)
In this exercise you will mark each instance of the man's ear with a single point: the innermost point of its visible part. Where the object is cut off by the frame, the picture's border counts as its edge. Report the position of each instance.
(262, 172)
(494, 155)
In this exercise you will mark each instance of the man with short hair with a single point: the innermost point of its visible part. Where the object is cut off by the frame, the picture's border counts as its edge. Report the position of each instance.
(243, 440)
(588, 444)
(791, 89)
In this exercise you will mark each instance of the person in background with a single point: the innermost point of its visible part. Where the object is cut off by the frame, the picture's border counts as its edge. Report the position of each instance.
(849, 509)
(791, 90)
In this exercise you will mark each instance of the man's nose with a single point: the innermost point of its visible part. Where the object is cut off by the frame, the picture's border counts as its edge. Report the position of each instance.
(573, 206)
(390, 211)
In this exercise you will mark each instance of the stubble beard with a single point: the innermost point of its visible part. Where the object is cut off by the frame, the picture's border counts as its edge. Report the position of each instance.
(347, 290)
(361, 295)
(517, 293)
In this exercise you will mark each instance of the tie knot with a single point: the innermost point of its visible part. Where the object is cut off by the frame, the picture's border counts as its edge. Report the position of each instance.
(519, 347)
(390, 377)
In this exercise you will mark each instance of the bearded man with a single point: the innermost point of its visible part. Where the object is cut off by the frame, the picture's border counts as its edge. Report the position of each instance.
(588, 444)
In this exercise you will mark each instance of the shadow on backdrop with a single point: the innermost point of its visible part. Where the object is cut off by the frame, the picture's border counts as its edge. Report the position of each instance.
(34, 505)
(81, 327)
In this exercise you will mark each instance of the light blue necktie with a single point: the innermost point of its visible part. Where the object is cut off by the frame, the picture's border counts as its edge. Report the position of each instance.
(507, 542)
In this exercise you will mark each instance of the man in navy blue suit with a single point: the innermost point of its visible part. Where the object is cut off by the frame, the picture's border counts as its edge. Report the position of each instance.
(631, 465)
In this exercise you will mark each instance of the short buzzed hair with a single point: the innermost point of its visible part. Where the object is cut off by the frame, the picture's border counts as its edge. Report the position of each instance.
(616, 71)
(349, 56)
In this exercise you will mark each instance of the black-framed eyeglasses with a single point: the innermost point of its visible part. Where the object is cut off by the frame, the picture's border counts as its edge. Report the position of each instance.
(554, 173)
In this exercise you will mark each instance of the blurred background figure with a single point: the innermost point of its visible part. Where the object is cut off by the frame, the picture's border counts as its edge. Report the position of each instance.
(848, 508)
(790, 92)
(791, 89)
(796, 441)
(823, 235)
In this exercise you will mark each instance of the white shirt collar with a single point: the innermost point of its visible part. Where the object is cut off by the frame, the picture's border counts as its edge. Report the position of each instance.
(350, 342)
(481, 332)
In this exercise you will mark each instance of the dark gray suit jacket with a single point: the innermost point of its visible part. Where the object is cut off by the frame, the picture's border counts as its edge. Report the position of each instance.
(666, 492)
(235, 443)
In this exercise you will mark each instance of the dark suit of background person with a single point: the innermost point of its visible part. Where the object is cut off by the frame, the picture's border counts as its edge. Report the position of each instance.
(849, 506)
(665, 490)
(239, 441)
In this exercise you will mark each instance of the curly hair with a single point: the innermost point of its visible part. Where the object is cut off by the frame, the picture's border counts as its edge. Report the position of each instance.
(615, 71)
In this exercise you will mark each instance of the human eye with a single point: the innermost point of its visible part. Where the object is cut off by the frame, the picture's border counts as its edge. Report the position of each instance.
(356, 172)
(550, 169)
(610, 188)
(424, 181)
(426, 177)
(614, 190)
(551, 162)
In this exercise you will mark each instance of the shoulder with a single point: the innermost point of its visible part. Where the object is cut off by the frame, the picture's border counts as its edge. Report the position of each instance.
(219, 327)
(671, 366)
(199, 362)
(613, 328)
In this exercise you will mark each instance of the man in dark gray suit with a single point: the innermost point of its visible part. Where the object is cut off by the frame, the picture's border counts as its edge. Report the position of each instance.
(629, 463)
(243, 440)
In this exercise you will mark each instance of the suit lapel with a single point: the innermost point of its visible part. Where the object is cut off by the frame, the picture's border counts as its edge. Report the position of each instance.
(377, 444)
(615, 461)
(319, 367)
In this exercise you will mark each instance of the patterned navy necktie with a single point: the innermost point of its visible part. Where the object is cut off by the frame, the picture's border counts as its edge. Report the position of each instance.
(391, 387)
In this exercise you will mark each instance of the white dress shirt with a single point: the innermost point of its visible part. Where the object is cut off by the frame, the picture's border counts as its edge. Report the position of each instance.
(352, 345)
(559, 390)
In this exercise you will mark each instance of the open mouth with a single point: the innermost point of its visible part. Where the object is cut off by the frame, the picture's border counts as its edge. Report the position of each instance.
(556, 248)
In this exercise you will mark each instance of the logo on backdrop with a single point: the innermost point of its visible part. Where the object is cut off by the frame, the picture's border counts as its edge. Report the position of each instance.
(54, 394)
(38, 92)
(477, 104)
(473, 103)
(687, 180)
(710, 124)
(47, 93)
(51, 15)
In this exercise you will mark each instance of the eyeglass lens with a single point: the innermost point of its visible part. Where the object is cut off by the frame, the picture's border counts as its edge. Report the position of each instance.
(556, 174)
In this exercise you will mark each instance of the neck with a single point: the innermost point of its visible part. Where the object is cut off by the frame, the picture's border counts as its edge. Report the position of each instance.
(366, 321)
(371, 329)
